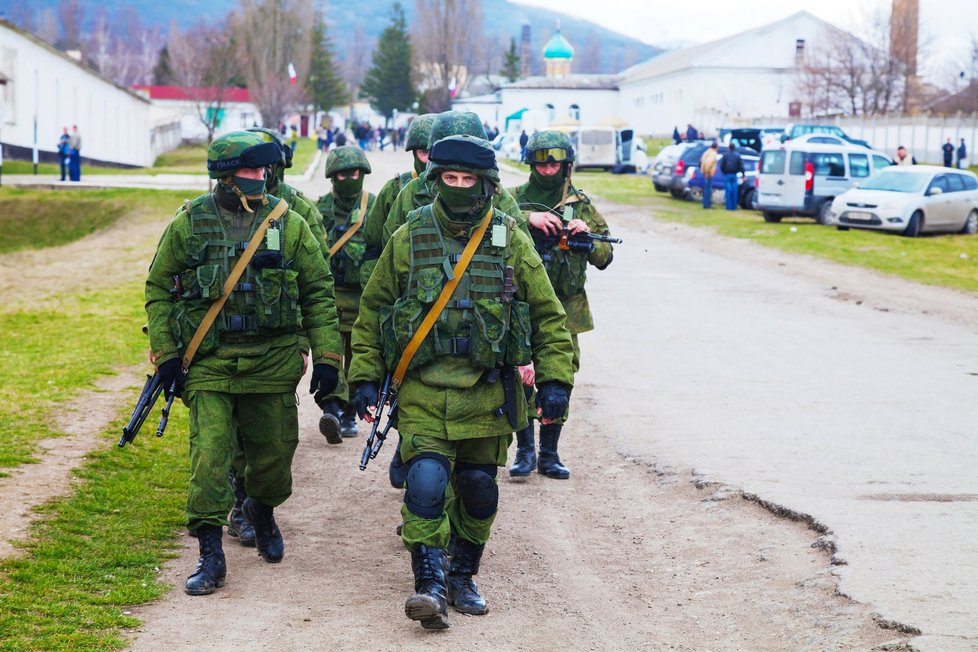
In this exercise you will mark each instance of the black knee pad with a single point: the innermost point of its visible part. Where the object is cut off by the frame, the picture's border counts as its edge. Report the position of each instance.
(427, 478)
(477, 489)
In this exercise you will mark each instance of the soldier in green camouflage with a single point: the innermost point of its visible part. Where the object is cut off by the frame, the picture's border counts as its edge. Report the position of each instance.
(416, 143)
(553, 206)
(244, 376)
(503, 313)
(346, 213)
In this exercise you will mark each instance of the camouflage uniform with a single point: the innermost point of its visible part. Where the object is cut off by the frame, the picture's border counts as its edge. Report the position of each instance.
(245, 373)
(421, 191)
(567, 271)
(450, 436)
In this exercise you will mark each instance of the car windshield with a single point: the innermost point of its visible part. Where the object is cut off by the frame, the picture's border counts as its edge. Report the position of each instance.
(897, 182)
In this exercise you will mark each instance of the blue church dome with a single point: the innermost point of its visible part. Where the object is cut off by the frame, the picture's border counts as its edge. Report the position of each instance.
(558, 48)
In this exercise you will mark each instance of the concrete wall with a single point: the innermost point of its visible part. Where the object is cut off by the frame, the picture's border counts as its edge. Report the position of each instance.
(46, 85)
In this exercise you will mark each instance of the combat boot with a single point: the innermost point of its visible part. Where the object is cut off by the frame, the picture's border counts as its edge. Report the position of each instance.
(211, 568)
(549, 463)
(238, 525)
(463, 594)
(397, 471)
(526, 455)
(348, 421)
(268, 539)
(329, 423)
(429, 603)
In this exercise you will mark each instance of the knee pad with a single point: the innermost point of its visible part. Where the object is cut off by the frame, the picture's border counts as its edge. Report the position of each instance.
(477, 489)
(427, 478)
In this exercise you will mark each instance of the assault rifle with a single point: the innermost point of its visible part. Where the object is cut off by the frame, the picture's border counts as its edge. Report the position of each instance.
(144, 406)
(582, 243)
(377, 438)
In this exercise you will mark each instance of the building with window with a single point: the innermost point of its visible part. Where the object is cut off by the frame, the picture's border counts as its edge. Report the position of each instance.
(192, 106)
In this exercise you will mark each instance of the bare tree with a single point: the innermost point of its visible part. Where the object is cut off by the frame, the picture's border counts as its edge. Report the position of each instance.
(23, 15)
(271, 35)
(47, 26)
(70, 16)
(98, 44)
(448, 36)
(356, 60)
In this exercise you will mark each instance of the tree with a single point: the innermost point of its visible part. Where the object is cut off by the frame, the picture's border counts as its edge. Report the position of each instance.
(511, 64)
(70, 16)
(388, 82)
(270, 35)
(448, 34)
(358, 53)
(325, 86)
(162, 72)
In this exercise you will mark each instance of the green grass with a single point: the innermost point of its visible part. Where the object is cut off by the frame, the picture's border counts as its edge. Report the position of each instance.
(36, 218)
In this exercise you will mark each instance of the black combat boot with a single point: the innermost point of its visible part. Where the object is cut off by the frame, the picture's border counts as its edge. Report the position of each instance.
(463, 594)
(348, 421)
(549, 464)
(329, 423)
(428, 604)
(239, 527)
(526, 455)
(397, 471)
(211, 567)
(268, 539)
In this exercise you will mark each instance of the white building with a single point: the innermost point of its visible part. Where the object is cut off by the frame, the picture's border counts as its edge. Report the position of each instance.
(724, 82)
(234, 113)
(43, 90)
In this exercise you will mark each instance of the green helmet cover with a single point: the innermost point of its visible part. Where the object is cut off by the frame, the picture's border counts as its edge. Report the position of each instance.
(419, 132)
(549, 140)
(456, 123)
(348, 157)
(237, 150)
(463, 154)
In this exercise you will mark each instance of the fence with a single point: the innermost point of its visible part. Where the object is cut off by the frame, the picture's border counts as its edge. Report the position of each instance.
(163, 138)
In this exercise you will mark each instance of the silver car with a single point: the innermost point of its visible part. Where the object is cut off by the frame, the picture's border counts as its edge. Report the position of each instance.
(911, 200)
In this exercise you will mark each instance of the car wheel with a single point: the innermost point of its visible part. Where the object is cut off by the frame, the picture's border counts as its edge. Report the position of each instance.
(678, 194)
(750, 200)
(658, 187)
(772, 217)
(970, 224)
(696, 194)
(841, 228)
(825, 213)
(915, 225)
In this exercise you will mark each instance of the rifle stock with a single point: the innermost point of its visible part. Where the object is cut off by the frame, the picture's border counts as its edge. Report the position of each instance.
(376, 439)
(152, 389)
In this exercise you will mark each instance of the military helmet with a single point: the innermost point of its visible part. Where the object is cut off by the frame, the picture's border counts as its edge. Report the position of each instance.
(419, 132)
(463, 153)
(348, 157)
(456, 123)
(240, 149)
(549, 147)
(272, 136)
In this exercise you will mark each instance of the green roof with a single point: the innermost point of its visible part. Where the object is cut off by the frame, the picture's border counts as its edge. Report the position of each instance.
(558, 48)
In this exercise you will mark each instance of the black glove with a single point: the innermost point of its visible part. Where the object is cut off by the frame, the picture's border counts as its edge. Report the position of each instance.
(553, 398)
(269, 258)
(171, 372)
(325, 377)
(364, 395)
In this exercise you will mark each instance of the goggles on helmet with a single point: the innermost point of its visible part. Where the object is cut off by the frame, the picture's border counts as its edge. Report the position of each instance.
(548, 155)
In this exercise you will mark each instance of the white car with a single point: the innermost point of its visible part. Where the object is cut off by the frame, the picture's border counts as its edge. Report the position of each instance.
(911, 200)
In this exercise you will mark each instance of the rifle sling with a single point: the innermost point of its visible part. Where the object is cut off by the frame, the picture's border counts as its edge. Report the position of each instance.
(441, 301)
(364, 197)
(239, 267)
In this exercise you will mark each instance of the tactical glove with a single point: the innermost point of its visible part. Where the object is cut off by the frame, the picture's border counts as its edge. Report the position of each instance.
(553, 399)
(364, 395)
(267, 259)
(171, 372)
(325, 377)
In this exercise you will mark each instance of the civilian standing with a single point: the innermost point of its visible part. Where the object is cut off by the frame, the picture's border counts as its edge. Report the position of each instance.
(708, 167)
(948, 148)
(63, 151)
(74, 154)
(731, 165)
(962, 155)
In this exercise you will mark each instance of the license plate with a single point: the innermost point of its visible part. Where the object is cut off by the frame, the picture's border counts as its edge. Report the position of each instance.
(859, 216)
(770, 199)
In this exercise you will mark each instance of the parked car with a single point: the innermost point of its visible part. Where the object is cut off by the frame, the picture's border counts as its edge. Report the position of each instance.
(508, 145)
(688, 165)
(802, 179)
(912, 200)
(664, 162)
(748, 191)
(796, 130)
(823, 139)
(755, 137)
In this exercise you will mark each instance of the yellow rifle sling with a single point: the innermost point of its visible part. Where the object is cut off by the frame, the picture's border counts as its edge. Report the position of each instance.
(441, 301)
(232, 280)
(353, 229)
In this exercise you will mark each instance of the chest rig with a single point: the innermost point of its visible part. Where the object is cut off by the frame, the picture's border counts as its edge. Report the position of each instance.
(347, 264)
(264, 301)
(567, 269)
(482, 322)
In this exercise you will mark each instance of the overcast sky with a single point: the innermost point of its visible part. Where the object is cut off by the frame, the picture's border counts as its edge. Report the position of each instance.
(946, 25)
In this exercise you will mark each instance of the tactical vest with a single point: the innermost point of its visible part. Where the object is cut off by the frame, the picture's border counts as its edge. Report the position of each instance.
(403, 179)
(347, 264)
(567, 269)
(264, 302)
(482, 322)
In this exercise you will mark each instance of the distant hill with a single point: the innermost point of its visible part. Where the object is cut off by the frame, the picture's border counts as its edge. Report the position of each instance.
(502, 20)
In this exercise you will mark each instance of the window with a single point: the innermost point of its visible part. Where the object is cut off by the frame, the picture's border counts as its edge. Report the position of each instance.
(550, 111)
(799, 50)
(829, 164)
(574, 111)
(880, 162)
(772, 162)
(970, 183)
(859, 165)
(939, 182)
(955, 182)
(797, 167)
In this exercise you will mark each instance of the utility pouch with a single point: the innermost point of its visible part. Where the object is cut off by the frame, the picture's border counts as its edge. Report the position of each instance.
(429, 285)
(278, 299)
(486, 339)
(185, 318)
(406, 317)
(519, 349)
(210, 280)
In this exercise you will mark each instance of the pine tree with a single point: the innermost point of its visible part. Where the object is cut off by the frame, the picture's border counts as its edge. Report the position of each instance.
(324, 84)
(511, 66)
(388, 82)
(162, 73)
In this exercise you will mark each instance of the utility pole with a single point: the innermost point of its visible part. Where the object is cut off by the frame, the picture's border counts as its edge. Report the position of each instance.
(35, 121)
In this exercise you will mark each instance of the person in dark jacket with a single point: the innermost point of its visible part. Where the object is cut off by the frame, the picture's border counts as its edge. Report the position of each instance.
(962, 155)
(691, 133)
(676, 136)
(948, 148)
(731, 165)
(524, 139)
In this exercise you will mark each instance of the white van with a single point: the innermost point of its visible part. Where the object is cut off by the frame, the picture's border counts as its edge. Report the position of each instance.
(596, 147)
(803, 179)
